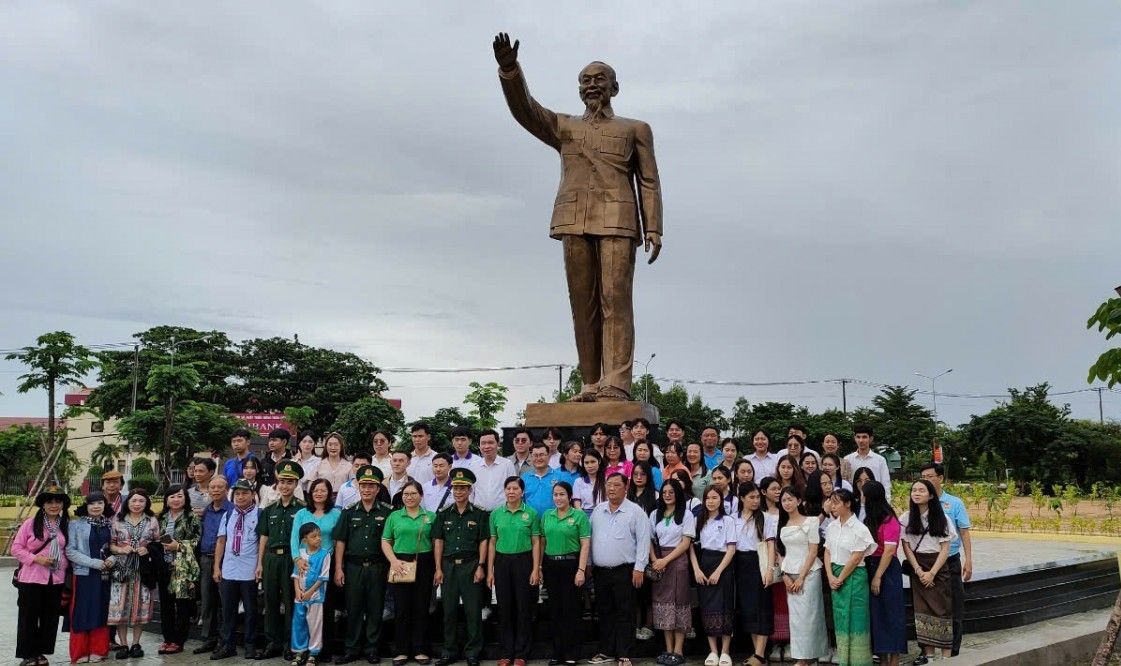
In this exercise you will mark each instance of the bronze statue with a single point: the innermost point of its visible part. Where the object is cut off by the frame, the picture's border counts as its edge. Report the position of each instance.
(596, 215)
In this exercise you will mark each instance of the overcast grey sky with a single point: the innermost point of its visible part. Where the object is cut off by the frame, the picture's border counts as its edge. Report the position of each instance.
(858, 189)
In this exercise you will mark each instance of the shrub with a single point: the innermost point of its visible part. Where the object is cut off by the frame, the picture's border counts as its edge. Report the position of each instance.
(148, 483)
(142, 467)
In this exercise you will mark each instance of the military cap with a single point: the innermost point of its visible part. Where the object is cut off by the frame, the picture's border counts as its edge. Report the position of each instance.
(369, 474)
(243, 484)
(289, 469)
(462, 476)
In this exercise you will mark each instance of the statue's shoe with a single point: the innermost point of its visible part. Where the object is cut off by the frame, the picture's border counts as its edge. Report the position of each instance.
(612, 394)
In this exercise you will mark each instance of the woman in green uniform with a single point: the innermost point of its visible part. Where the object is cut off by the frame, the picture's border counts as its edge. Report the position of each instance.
(568, 537)
(514, 569)
(407, 544)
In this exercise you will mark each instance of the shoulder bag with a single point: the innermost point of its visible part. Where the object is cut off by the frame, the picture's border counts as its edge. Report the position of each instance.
(909, 570)
(652, 574)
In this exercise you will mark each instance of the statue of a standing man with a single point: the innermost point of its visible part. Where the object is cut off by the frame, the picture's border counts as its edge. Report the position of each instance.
(596, 215)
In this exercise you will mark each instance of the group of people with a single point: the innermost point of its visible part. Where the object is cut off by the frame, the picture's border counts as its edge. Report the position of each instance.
(796, 549)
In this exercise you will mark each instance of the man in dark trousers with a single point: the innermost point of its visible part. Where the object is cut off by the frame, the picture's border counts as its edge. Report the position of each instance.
(459, 542)
(361, 567)
(274, 561)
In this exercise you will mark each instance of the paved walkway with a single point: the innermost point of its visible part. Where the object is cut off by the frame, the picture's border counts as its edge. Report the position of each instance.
(991, 554)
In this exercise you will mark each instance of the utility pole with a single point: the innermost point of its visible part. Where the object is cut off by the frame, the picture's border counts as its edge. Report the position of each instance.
(1101, 411)
(560, 380)
(844, 397)
(135, 381)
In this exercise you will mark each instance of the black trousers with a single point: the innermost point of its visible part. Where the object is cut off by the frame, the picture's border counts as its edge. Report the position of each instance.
(37, 620)
(175, 614)
(233, 592)
(411, 619)
(515, 597)
(957, 587)
(565, 603)
(615, 603)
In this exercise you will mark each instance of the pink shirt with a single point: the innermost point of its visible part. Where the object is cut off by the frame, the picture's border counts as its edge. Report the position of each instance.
(887, 534)
(623, 468)
(24, 547)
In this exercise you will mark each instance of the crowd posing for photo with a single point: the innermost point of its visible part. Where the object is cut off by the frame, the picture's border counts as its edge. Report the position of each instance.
(797, 550)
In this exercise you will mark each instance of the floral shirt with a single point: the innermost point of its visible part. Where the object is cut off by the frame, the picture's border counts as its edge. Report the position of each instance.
(184, 564)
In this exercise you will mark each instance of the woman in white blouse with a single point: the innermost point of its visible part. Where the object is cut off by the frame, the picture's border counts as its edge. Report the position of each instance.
(847, 543)
(673, 530)
(926, 544)
(306, 456)
(716, 535)
(334, 465)
(798, 541)
(755, 560)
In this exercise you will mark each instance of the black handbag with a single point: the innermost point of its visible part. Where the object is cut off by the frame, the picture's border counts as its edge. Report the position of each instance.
(652, 574)
(909, 570)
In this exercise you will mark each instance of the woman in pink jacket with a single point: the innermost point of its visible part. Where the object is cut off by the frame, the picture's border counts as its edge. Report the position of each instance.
(40, 547)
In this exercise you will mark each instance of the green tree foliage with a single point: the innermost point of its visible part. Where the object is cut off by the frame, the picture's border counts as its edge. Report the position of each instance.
(901, 423)
(277, 373)
(55, 359)
(113, 396)
(487, 402)
(104, 455)
(572, 386)
(676, 403)
(301, 418)
(1107, 318)
(198, 426)
(1030, 434)
(358, 421)
(21, 450)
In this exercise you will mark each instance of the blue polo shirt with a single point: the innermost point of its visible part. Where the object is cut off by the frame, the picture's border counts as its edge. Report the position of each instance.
(211, 521)
(955, 512)
(713, 461)
(565, 475)
(539, 489)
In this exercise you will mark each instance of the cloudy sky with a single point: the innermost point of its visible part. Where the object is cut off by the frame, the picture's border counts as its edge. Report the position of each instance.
(858, 189)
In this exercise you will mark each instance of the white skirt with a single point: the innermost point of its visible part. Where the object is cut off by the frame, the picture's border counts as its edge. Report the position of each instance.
(808, 636)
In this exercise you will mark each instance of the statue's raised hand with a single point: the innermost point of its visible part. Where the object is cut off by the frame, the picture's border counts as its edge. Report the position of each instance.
(505, 53)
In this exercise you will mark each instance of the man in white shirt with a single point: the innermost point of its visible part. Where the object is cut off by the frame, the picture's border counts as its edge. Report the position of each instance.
(864, 456)
(463, 457)
(420, 467)
(552, 439)
(491, 474)
(347, 496)
(764, 462)
(399, 463)
(438, 491)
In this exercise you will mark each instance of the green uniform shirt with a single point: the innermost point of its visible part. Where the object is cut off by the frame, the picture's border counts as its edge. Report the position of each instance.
(361, 530)
(562, 537)
(513, 529)
(403, 530)
(462, 532)
(275, 522)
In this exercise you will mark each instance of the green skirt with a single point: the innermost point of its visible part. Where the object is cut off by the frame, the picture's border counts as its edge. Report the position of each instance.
(851, 619)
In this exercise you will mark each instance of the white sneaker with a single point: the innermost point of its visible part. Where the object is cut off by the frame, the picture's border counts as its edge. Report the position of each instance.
(712, 659)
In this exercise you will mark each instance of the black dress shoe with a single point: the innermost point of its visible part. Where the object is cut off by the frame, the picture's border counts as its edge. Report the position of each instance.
(208, 646)
(401, 662)
(347, 658)
(373, 658)
(136, 652)
(472, 662)
(224, 652)
(122, 652)
(425, 661)
(446, 661)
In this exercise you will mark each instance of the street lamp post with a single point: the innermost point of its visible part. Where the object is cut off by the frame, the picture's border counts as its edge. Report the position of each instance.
(646, 373)
(934, 390)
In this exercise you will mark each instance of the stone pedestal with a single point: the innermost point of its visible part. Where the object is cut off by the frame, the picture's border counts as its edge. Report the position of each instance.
(586, 414)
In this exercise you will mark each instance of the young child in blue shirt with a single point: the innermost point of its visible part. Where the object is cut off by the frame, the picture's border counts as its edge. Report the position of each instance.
(311, 590)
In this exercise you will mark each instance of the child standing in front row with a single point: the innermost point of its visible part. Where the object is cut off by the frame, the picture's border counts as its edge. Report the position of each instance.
(311, 590)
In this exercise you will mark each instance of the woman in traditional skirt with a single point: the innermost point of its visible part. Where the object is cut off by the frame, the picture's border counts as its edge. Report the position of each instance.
(926, 543)
(673, 528)
(716, 547)
(755, 541)
(847, 543)
(130, 601)
(889, 629)
(818, 500)
(87, 548)
(798, 541)
(770, 489)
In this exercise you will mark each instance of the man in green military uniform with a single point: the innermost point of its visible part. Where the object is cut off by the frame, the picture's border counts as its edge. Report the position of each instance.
(361, 568)
(274, 562)
(459, 542)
